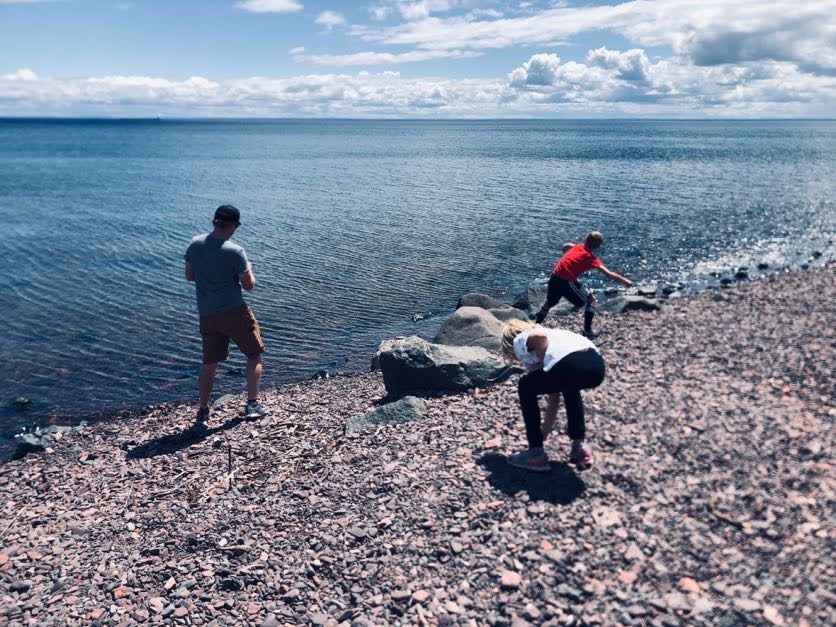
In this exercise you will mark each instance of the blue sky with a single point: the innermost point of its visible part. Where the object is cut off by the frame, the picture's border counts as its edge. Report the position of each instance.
(418, 58)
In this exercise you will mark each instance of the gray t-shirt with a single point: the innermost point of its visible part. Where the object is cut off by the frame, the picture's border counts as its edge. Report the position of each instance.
(216, 264)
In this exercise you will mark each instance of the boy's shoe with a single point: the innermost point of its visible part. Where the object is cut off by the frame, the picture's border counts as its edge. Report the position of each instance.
(254, 409)
(530, 460)
(581, 456)
(202, 416)
(589, 334)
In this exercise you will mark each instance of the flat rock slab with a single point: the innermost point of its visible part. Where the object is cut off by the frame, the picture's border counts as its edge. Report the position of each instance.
(407, 409)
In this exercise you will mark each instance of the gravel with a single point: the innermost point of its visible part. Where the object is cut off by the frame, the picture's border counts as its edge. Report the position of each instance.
(710, 502)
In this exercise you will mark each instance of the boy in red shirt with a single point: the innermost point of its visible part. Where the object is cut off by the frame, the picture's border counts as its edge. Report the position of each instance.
(577, 259)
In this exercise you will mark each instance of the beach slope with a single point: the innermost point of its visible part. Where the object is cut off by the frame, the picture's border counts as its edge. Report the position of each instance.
(710, 502)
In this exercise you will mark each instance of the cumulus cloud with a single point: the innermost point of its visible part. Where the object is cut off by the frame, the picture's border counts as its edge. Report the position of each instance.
(612, 78)
(330, 19)
(269, 6)
(23, 74)
(542, 86)
(710, 32)
(632, 65)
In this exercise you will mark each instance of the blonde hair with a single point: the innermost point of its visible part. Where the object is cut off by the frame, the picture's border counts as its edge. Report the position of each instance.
(594, 240)
(509, 333)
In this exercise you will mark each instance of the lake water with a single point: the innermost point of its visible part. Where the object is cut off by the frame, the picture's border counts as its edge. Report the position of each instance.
(354, 227)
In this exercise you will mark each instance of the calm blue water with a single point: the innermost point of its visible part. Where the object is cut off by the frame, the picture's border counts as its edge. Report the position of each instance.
(354, 226)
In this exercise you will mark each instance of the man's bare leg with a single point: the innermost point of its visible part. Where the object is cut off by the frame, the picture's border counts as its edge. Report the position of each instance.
(205, 382)
(253, 377)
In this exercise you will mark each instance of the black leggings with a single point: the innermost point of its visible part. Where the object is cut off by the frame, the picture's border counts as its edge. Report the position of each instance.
(572, 291)
(577, 371)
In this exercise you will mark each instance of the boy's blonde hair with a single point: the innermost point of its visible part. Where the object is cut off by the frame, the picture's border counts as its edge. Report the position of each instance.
(594, 240)
(509, 333)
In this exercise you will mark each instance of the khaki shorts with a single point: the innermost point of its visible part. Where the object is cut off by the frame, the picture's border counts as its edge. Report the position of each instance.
(237, 324)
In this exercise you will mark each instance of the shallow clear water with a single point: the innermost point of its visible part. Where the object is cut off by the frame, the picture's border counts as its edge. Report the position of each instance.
(354, 226)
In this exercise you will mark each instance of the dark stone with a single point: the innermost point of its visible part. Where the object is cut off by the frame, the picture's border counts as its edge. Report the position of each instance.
(21, 403)
(320, 374)
(742, 273)
(407, 409)
(629, 303)
(725, 281)
(763, 265)
(816, 254)
(480, 300)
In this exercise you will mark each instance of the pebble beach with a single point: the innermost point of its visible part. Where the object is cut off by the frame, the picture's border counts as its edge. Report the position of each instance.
(710, 502)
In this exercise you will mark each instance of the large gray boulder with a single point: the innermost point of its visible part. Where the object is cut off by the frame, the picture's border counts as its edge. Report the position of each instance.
(629, 303)
(413, 364)
(407, 409)
(480, 300)
(508, 313)
(471, 326)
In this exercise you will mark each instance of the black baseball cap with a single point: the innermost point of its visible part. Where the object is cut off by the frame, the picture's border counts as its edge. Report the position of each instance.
(228, 213)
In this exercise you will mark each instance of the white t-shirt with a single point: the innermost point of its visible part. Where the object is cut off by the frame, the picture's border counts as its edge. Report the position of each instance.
(561, 343)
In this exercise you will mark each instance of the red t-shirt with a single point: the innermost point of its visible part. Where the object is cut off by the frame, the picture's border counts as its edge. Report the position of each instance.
(575, 262)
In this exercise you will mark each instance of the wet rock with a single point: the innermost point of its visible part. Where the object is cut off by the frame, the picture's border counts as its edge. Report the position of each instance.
(623, 304)
(480, 300)
(21, 403)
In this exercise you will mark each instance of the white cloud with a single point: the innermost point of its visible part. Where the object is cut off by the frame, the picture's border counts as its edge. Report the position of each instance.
(542, 86)
(379, 12)
(710, 32)
(297, 50)
(330, 19)
(269, 6)
(632, 65)
(613, 78)
(383, 58)
(421, 9)
(23, 74)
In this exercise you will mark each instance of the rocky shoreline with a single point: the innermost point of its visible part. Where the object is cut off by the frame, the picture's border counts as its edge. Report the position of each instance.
(710, 503)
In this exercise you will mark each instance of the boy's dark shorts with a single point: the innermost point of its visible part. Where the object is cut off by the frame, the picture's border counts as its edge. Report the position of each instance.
(237, 324)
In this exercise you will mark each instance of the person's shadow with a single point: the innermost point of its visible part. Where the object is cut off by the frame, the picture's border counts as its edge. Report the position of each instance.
(560, 486)
(173, 442)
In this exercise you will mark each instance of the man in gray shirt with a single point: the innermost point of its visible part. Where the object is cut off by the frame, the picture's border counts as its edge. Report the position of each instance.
(219, 269)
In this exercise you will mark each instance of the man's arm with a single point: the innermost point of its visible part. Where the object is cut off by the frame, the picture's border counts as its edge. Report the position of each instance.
(247, 278)
(189, 271)
(614, 276)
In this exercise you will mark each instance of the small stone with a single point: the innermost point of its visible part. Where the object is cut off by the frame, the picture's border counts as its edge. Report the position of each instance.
(493, 443)
(180, 612)
(157, 604)
(747, 605)
(686, 584)
(20, 586)
(358, 532)
(419, 596)
(456, 547)
(627, 576)
(400, 595)
(531, 612)
(170, 583)
(510, 579)
(98, 613)
(771, 614)
(253, 608)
